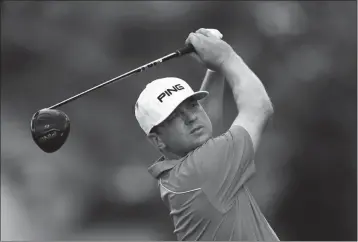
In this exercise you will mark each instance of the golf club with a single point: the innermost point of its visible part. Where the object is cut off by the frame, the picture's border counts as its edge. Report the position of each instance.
(50, 127)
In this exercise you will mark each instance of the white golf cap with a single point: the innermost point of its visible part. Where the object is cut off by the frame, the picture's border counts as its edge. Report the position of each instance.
(160, 98)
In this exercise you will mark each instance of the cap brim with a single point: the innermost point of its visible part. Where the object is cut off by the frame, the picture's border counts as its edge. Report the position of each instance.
(199, 95)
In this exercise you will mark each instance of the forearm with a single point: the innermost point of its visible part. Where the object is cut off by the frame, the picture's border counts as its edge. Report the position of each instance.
(248, 91)
(214, 83)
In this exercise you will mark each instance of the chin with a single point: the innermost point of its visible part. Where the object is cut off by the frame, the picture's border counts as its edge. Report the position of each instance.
(202, 139)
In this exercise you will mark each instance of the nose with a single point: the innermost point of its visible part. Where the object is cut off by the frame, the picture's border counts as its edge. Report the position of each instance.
(189, 117)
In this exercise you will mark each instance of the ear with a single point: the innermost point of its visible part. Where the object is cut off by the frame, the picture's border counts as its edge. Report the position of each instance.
(156, 140)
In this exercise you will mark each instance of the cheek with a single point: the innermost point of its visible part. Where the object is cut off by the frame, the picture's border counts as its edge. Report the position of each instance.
(176, 135)
(207, 122)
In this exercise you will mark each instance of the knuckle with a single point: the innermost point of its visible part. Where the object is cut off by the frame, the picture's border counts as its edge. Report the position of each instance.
(190, 37)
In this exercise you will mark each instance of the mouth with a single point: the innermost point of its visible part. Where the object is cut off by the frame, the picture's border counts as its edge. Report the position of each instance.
(197, 129)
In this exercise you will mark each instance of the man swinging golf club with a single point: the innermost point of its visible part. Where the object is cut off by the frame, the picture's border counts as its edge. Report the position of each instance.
(202, 176)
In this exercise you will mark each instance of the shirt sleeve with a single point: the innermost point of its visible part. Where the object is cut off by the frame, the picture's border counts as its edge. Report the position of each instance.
(223, 164)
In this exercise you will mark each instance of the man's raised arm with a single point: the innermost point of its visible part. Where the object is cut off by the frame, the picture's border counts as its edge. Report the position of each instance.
(250, 96)
(253, 103)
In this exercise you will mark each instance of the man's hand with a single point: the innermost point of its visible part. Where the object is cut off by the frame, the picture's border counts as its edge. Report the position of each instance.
(210, 49)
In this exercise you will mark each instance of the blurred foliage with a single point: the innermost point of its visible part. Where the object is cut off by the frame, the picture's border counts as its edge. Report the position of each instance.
(97, 185)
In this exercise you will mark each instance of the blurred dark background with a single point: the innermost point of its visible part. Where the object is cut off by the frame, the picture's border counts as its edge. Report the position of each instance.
(97, 185)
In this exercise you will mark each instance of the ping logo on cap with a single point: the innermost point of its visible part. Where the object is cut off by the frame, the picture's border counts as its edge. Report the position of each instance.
(168, 92)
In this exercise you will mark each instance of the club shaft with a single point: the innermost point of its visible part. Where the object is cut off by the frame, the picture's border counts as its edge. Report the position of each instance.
(180, 52)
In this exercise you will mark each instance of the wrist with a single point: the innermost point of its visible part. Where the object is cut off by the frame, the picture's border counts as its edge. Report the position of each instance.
(231, 64)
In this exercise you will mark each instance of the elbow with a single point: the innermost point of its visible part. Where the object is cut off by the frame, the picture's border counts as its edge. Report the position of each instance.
(263, 109)
(267, 108)
(257, 105)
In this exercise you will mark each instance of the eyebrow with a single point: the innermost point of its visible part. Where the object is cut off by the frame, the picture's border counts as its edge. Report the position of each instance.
(189, 100)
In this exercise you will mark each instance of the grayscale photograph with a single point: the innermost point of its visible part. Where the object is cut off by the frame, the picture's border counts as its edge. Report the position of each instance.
(179, 120)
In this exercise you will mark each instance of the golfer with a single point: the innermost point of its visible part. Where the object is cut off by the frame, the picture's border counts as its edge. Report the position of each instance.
(202, 176)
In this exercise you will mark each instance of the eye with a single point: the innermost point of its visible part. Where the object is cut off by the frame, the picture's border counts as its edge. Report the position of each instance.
(194, 104)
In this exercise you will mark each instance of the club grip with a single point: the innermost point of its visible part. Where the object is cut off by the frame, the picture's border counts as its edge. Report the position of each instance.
(186, 50)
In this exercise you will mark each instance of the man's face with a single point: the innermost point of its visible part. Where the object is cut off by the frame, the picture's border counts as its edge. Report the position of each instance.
(187, 128)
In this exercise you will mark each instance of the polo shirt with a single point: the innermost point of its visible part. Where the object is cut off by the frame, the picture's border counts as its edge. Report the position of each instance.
(206, 194)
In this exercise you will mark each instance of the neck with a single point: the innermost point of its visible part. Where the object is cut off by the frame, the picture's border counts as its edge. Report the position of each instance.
(170, 155)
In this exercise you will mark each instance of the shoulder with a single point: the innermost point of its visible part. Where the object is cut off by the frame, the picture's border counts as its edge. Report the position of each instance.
(238, 132)
(234, 138)
(181, 179)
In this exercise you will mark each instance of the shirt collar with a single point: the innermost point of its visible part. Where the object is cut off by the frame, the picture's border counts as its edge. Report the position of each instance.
(162, 165)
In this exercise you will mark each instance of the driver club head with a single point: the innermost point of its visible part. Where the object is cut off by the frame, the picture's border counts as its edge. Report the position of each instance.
(50, 129)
